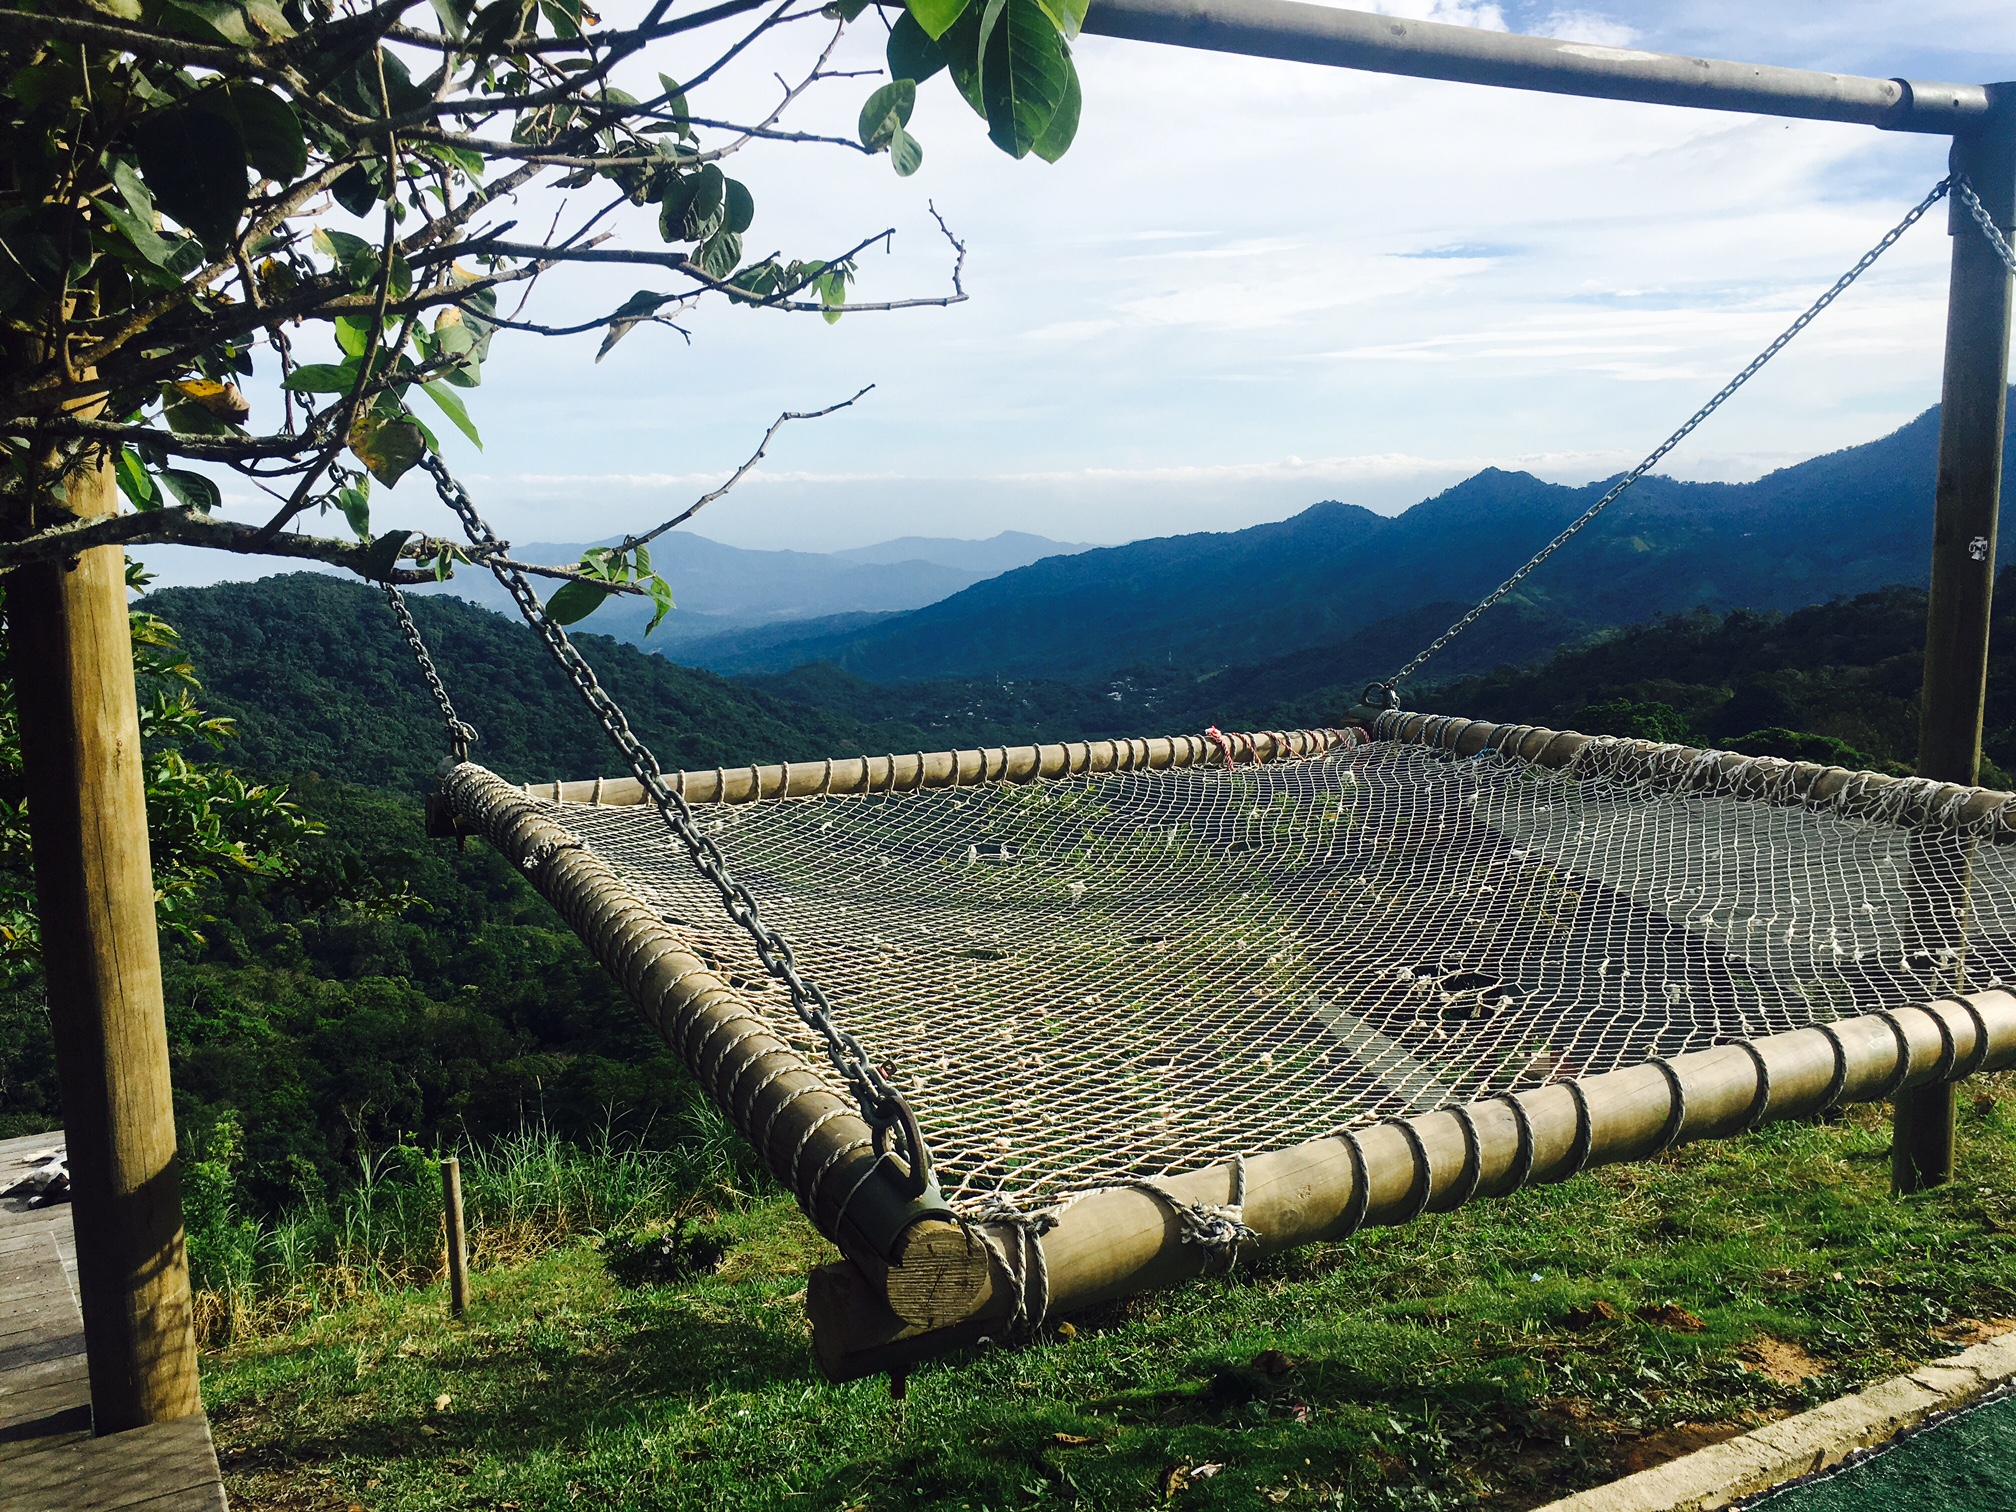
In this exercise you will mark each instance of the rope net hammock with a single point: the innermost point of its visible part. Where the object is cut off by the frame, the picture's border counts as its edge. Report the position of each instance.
(1105, 977)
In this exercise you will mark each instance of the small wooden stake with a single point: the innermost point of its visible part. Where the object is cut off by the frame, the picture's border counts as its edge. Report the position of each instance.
(458, 1249)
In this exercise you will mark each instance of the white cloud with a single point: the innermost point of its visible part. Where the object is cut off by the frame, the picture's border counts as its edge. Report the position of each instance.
(1587, 26)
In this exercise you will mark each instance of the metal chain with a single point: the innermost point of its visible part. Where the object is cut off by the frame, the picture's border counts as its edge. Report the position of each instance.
(881, 1104)
(1387, 694)
(1985, 221)
(460, 736)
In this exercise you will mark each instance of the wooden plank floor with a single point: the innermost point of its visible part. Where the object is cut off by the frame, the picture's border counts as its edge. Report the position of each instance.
(49, 1462)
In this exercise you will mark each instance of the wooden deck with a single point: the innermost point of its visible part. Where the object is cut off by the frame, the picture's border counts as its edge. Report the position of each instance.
(49, 1462)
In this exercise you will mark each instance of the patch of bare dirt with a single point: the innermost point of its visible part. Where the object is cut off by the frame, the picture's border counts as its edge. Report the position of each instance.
(1671, 1443)
(1781, 1360)
(1668, 1315)
(1973, 1330)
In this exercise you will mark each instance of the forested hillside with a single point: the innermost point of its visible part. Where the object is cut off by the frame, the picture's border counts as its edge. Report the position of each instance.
(1851, 522)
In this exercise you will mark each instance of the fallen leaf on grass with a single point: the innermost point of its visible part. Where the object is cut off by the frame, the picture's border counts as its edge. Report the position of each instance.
(1176, 1480)
(1206, 1471)
(1272, 1362)
(1669, 1315)
(1066, 1331)
(441, 1402)
(1074, 1440)
(1277, 1496)
(430, 1430)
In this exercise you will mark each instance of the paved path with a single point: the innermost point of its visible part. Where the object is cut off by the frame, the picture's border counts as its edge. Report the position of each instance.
(49, 1462)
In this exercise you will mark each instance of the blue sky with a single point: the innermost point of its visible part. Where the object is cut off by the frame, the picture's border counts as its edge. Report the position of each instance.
(1253, 285)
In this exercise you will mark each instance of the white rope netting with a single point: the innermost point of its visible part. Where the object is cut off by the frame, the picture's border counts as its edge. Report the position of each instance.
(1099, 979)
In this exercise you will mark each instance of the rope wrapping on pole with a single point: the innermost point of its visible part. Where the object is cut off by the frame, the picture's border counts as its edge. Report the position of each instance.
(1386, 695)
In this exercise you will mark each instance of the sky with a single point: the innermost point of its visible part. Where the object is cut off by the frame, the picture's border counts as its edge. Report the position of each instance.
(1254, 285)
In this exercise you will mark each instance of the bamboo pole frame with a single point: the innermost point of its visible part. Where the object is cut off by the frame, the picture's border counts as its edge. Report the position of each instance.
(867, 775)
(1117, 1242)
(921, 1264)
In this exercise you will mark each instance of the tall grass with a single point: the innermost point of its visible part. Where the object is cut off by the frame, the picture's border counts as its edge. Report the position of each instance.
(521, 1194)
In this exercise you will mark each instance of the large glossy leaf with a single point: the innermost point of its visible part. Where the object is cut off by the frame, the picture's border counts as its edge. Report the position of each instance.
(322, 378)
(719, 254)
(1056, 138)
(387, 448)
(356, 506)
(905, 154)
(1068, 14)
(912, 52)
(450, 404)
(192, 488)
(960, 47)
(937, 16)
(384, 554)
(575, 601)
(738, 207)
(639, 307)
(267, 125)
(887, 112)
(194, 166)
(135, 481)
(1025, 74)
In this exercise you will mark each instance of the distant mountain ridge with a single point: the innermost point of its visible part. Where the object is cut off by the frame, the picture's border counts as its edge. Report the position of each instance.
(1849, 522)
(723, 589)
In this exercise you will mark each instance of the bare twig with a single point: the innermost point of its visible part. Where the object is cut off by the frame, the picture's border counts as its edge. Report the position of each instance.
(631, 543)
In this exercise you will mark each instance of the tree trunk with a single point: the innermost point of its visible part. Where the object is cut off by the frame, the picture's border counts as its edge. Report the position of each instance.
(72, 667)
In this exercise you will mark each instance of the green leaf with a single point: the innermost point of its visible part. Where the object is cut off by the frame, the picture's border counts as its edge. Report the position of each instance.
(905, 155)
(192, 488)
(352, 335)
(356, 191)
(135, 482)
(454, 16)
(660, 591)
(450, 405)
(638, 308)
(194, 165)
(886, 113)
(960, 47)
(1056, 138)
(1068, 14)
(738, 207)
(355, 258)
(322, 378)
(267, 125)
(844, 10)
(356, 506)
(383, 555)
(138, 229)
(1025, 74)
(387, 448)
(911, 52)
(936, 16)
(575, 601)
(719, 254)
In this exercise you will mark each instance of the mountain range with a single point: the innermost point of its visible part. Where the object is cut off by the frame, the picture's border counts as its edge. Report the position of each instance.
(727, 594)
(1338, 592)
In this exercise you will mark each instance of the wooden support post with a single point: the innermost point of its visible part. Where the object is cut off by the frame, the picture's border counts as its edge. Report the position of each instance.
(72, 667)
(458, 1244)
(1973, 403)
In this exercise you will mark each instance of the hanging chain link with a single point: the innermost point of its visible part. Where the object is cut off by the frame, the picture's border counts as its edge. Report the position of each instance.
(460, 736)
(1985, 221)
(1387, 694)
(881, 1104)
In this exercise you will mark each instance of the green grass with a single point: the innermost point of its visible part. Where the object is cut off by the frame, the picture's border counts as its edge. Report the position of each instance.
(1457, 1362)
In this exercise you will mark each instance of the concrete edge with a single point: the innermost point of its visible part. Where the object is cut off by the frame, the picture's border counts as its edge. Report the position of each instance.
(1795, 1446)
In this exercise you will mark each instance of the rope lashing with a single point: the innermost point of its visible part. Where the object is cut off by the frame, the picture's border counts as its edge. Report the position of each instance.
(1022, 1263)
(1217, 1228)
(1386, 695)
(885, 1109)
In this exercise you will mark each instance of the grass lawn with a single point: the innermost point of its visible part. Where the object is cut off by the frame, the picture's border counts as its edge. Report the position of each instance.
(1496, 1357)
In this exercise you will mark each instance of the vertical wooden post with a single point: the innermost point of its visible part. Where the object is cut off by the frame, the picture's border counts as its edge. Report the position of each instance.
(458, 1244)
(1973, 402)
(72, 668)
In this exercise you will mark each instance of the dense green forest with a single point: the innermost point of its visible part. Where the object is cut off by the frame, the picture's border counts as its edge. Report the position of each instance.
(390, 987)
